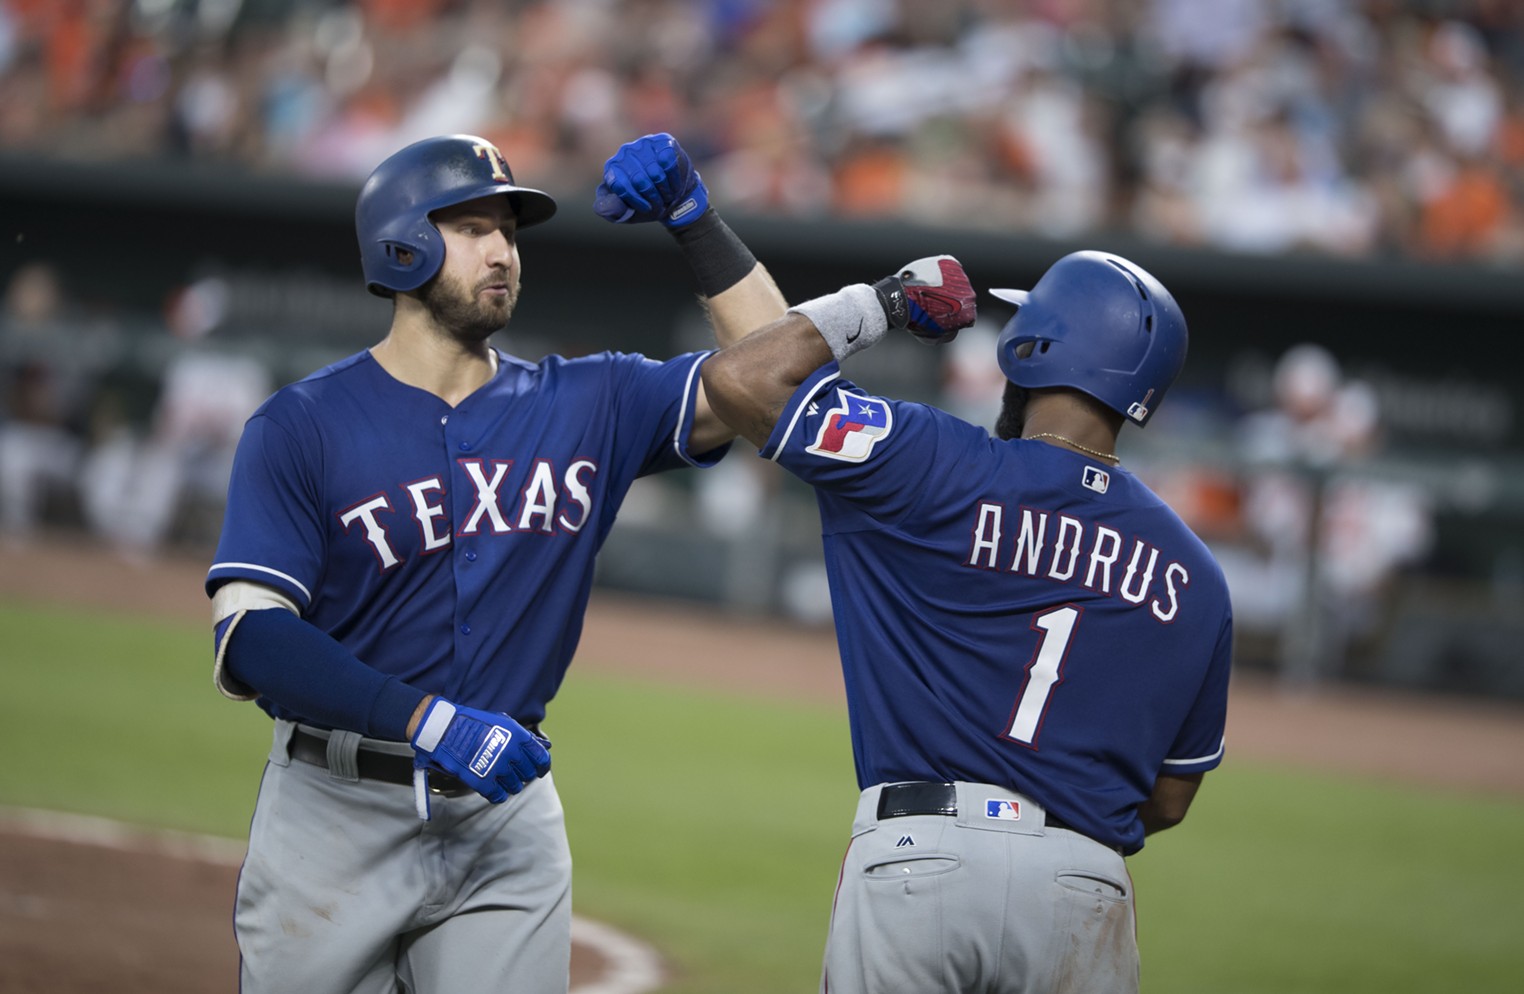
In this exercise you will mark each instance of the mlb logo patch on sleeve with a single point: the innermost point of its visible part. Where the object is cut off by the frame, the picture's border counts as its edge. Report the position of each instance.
(1003, 810)
(850, 430)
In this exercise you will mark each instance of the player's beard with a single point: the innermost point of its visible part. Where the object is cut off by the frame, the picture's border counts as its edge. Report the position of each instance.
(466, 315)
(1013, 412)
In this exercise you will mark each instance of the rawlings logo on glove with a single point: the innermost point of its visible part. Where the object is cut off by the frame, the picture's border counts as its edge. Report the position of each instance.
(931, 298)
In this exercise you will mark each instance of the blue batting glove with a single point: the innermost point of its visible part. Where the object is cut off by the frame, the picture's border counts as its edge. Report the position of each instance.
(490, 753)
(651, 179)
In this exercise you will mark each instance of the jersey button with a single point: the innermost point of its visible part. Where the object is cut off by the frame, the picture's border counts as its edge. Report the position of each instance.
(444, 419)
(465, 446)
(471, 556)
(465, 629)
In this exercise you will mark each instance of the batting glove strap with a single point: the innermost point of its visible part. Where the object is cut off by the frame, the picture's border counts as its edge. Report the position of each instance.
(850, 320)
(490, 753)
(690, 208)
(891, 297)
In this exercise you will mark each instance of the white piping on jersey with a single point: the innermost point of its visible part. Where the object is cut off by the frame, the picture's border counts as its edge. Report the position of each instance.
(1199, 759)
(677, 434)
(799, 413)
(264, 569)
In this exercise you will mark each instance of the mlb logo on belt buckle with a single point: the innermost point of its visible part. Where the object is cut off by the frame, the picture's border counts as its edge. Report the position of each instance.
(1003, 810)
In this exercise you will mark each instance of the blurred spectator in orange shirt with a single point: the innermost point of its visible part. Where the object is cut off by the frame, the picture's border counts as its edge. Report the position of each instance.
(870, 178)
(1468, 215)
(401, 17)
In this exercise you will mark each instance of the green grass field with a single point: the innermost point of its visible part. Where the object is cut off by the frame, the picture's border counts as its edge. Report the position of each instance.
(713, 826)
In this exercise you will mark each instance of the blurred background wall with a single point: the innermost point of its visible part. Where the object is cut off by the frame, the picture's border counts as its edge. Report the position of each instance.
(1333, 189)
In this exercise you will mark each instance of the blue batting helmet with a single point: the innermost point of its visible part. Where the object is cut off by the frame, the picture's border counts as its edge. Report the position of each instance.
(392, 213)
(1099, 324)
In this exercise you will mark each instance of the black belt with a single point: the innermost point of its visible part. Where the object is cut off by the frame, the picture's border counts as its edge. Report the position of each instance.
(371, 765)
(896, 800)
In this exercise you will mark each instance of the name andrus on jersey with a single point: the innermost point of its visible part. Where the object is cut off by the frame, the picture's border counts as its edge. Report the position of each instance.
(1066, 549)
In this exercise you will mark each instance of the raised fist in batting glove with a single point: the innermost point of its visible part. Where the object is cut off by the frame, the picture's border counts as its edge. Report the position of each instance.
(490, 753)
(651, 179)
(931, 298)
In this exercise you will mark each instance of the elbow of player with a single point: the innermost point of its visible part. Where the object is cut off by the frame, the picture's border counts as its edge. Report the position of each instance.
(724, 385)
(1158, 821)
(1170, 800)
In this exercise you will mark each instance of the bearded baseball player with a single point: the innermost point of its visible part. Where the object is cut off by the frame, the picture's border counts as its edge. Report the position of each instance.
(1035, 647)
(406, 556)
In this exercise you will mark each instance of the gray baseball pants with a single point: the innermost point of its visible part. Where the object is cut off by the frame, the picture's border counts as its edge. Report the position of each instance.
(345, 891)
(979, 901)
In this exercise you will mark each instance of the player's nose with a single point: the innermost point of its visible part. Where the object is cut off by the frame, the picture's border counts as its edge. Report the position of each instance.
(499, 249)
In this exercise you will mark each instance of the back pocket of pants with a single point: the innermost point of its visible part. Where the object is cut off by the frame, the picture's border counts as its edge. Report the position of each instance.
(1093, 884)
(900, 868)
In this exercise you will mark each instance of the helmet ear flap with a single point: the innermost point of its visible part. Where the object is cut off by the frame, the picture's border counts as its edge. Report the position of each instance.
(1008, 350)
(399, 256)
(1007, 345)
(402, 260)
(418, 251)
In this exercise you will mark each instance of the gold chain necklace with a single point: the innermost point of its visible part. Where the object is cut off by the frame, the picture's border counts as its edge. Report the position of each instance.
(1085, 449)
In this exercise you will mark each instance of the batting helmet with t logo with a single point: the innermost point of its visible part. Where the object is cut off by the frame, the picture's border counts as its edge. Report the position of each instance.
(400, 248)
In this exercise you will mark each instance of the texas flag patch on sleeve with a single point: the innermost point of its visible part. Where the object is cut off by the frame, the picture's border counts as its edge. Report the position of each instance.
(850, 431)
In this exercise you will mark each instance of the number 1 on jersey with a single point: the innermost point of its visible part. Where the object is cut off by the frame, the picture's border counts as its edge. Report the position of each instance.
(1044, 672)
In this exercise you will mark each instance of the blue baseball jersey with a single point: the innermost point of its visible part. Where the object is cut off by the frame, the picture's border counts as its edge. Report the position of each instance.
(1009, 612)
(453, 548)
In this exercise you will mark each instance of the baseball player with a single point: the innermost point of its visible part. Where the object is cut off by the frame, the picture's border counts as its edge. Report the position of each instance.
(1036, 649)
(406, 556)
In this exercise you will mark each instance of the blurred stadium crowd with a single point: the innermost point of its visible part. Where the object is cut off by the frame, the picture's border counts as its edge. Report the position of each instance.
(123, 430)
(1356, 127)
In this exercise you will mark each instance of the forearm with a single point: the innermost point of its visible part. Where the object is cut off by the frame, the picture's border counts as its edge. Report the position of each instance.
(738, 292)
(739, 297)
(752, 303)
(306, 671)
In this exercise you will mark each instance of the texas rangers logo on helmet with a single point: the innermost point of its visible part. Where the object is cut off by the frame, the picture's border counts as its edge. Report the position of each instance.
(850, 431)
(489, 152)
